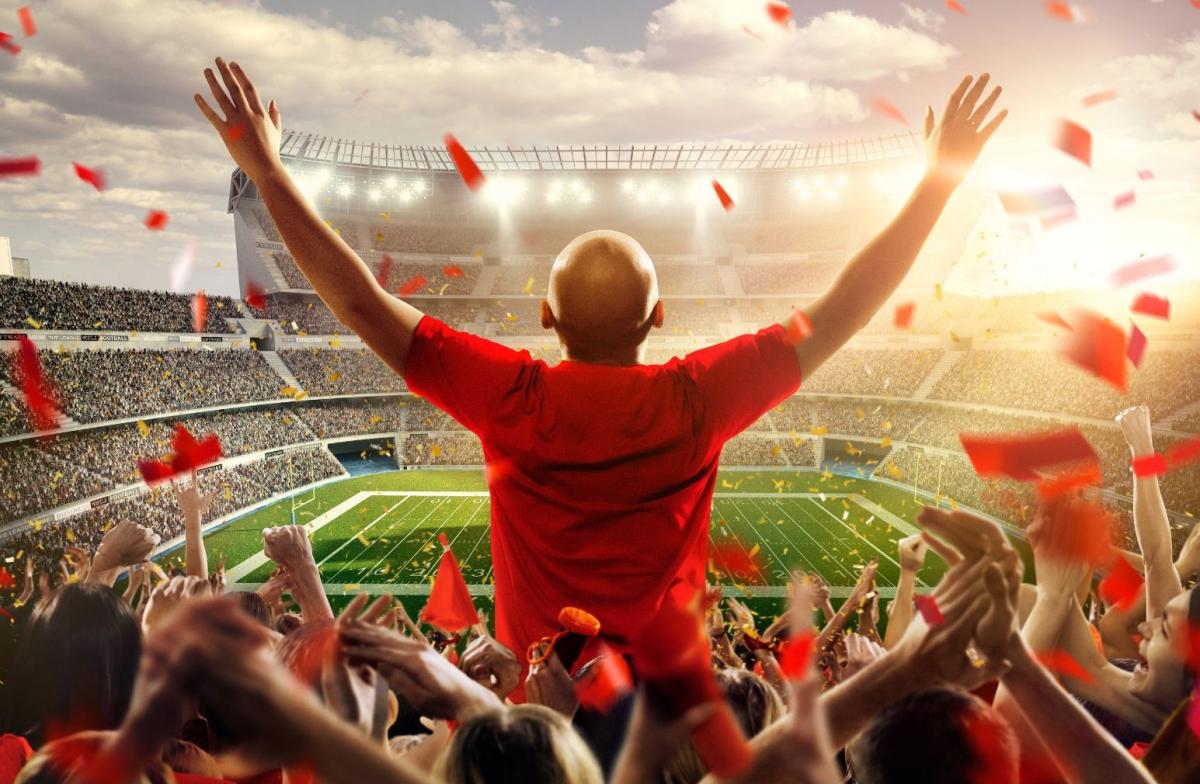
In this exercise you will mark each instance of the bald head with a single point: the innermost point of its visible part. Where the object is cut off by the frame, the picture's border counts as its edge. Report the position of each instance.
(603, 297)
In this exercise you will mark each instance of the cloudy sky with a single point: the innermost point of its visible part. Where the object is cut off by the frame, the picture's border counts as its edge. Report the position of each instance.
(109, 84)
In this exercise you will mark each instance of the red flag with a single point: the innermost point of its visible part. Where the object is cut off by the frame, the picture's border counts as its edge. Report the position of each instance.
(255, 297)
(450, 607)
(93, 176)
(453, 271)
(955, 6)
(1019, 456)
(780, 12)
(1098, 346)
(1123, 200)
(156, 220)
(27, 25)
(1137, 345)
(1121, 585)
(189, 455)
(472, 177)
(39, 397)
(723, 196)
(6, 43)
(385, 270)
(795, 659)
(607, 681)
(1142, 268)
(15, 167)
(1150, 305)
(1050, 317)
(1075, 140)
(199, 311)
(1070, 481)
(902, 317)
(884, 107)
(1100, 97)
(412, 285)
(1062, 663)
(927, 606)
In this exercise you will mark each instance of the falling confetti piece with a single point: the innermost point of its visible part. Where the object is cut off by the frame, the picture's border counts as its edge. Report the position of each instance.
(385, 270)
(143, 428)
(723, 196)
(1145, 174)
(1136, 346)
(1050, 317)
(156, 220)
(199, 311)
(255, 297)
(1143, 268)
(6, 43)
(20, 167)
(884, 107)
(472, 177)
(39, 397)
(1123, 200)
(189, 454)
(927, 606)
(1098, 346)
(1149, 465)
(1075, 140)
(1063, 663)
(412, 285)
(751, 33)
(1065, 12)
(27, 24)
(1149, 305)
(93, 176)
(1101, 97)
(780, 12)
(1021, 455)
(956, 7)
(902, 318)
(453, 271)
(528, 289)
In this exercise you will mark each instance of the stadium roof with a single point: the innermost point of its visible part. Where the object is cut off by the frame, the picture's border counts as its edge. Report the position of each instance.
(298, 146)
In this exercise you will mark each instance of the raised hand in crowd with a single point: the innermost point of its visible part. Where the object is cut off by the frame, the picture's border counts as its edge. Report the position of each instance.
(912, 557)
(167, 597)
(289, 547)
(492, 665)
(548, 683)
(194, 506)
(125, 544)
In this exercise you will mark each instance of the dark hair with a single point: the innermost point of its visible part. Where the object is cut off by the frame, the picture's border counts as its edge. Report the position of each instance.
(75, 664)
(255, 606)
(938, 736)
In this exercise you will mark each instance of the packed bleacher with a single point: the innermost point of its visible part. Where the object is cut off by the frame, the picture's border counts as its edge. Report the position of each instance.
(896, 372)
(337, 418)
(787, 277)
(55, 305)
(329, 371)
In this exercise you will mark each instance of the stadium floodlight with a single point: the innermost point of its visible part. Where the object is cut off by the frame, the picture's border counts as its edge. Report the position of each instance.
(585, 197)
(504, 191)
(841, 180)
(389, 182)
(374, 194)
(629, 186)
(345, 189)
(419, 186)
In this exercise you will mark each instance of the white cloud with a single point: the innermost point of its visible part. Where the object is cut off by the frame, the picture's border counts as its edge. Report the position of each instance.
(925, 18)
(515, 28)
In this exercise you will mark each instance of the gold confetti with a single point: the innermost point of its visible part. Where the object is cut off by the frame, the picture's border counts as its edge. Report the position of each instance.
(143, 428)
(33, 322)
(529, 285)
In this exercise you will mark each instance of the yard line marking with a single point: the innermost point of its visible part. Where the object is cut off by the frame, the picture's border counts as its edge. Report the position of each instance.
(778, 559)
(860, 536)
(415, 528)
(354, 538)
(836, 563)
(403, 516)
(425, 575)
(819, 524)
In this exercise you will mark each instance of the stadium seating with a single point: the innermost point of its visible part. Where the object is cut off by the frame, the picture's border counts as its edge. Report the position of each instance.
(328, 371)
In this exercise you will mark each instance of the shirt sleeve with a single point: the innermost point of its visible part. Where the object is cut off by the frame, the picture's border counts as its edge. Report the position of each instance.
(462, 374)
(743, 378)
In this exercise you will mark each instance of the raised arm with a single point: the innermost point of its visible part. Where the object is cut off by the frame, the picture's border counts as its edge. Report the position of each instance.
(343, 280)
(1150, 521)
(193, 504)
(874, 274)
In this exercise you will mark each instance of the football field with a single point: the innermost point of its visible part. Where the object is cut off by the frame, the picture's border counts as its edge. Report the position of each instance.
(379, 533)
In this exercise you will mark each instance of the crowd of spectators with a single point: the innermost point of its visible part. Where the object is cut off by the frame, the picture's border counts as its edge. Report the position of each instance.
(456, 241)
(100, 385)
(787, 277)
(303, 317)
(893, 371)
(747, 450)
(337, 418)
(443, 449)
(330, 371)
(291, 273)
(27, 303)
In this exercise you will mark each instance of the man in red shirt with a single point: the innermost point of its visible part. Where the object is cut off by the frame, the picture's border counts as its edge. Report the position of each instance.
(601, 469)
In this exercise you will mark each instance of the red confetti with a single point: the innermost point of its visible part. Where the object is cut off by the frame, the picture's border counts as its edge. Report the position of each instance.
(1100, 97)
(884, 107)
(450, 607)
(1136, 346)
(1142, 268)
(1056, 9)
(6, 579)
(1076, 528)
(1149, 465)
(606, 683)
(1050, 317)
(27, 25)
(442, 540)
(795, 659)
(902, 318)
(156, 220)
(780, 12)
(723, 196)
(1184, 453)
(737, 564)
(956, 6)
(6, 43)
(1070, 481)
(472, 177)
(1196, 112)
(1098, 346)
(15, 167)
(189, 455)
(1058, 219)
(6, 613)
(199, 311)
(453, 271)
(93, 176)
(1076, 141)
(1145, 174)
(1063, 663)
(255, 297)
(927, 606)
(385, 270)
(39, 397)
(751, 33)
(1123, 200)
(412, 285)
(1150, 305)
(1020, 456)
(799, 327)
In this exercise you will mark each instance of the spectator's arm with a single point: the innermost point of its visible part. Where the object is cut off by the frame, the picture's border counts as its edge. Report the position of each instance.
(867, 281)
(343, 281)
(289, 547)
(194, 504)
(1150, 521)
(912, 556)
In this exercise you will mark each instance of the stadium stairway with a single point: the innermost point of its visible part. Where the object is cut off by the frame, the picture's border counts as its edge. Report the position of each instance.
(486, 281)
(940, 368)
(8, 389)
(281, 369)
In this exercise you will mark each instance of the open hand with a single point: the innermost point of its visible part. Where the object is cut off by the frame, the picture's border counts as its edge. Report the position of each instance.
(954, 143)
(251, 132)
(193, 503)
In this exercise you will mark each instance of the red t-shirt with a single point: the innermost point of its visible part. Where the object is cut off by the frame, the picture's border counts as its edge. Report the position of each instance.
(601, 477)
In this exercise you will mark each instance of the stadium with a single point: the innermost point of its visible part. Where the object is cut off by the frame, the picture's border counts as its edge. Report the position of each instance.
(317, 431)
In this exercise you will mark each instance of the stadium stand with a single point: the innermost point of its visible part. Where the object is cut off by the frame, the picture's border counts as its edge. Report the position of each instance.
(328, 371)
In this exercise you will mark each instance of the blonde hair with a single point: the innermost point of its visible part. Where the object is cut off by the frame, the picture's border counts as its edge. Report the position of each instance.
(522, 743)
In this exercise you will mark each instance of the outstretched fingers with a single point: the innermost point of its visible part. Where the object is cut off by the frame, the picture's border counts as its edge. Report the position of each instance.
(956, 99)
(253, 102)
(235, 90)
(218, 93)
(968, 103)
(980, 114)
